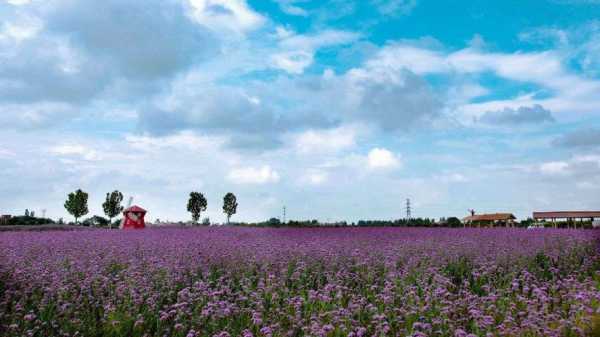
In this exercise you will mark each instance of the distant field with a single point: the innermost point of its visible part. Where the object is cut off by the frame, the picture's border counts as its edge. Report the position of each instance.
(300, 282)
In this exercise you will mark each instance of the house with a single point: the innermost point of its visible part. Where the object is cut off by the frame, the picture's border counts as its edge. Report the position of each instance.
(570, 217)
(489, 220)
(4, 219)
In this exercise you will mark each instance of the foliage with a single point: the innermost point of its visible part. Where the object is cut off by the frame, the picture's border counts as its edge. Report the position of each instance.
(453, 222)
(76, 204)
(28, 221)
(96, 221)
(329, 282)
(196, 205)
(112, 205)
(229, 205)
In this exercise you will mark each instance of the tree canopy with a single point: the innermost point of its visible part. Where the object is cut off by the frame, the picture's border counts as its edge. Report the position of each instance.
(196, 205)
(77, 204)
(229, 205)
(112, 205)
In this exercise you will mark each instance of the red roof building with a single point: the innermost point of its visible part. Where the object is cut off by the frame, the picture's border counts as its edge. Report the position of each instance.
(133, 218)
(490, 220)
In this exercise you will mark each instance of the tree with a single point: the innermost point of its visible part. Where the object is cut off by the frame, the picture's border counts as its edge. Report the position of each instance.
(229, 205)
(454, 222)
(196, 205)
(112, 205)
(96, 221)
(26, 212)
(76, 204)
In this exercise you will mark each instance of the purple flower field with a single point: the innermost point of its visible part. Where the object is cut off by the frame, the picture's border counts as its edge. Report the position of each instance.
(300, 282)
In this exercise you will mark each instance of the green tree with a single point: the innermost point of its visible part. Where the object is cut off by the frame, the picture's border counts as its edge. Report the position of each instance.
(77, 204)
(112, 205)
(454, 222)
(229, 205)
(196, 205)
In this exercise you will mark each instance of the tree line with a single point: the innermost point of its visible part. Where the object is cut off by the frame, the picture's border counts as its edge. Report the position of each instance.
(77, 205)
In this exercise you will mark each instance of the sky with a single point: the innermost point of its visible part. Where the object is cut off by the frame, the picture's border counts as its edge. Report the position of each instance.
(337, 110)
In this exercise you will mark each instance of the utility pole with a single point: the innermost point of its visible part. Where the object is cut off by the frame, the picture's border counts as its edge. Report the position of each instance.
(408, 215)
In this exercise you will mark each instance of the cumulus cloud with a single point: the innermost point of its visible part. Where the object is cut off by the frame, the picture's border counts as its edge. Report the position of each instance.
(580, 138)
(231, 15)
(253, 175)
(393, 101)
(325, 141)
(137, 46)
(523, 115)
(581, 166)
(228, 111)
(72, 53)
(380, 158)
(296, 51)
(76, 150)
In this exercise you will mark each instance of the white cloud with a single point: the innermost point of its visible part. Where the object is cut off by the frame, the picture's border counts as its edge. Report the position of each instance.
(253, 175)
(571, 92)
(75, 150)
(185, 139)
(315, 177)
(325, 141)
(5, 153)
(394, 7)
(231, 15)
(18, 2)
(296, 51)
(554, 168)
(380, 158)
(289, 7)
(293, 62)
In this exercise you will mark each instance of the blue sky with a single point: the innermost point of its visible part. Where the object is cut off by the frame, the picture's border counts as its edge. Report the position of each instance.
(339, 110)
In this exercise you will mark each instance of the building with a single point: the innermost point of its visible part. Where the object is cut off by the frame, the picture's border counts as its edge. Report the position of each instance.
(133, 218)
(489, 220)
(4, 219)
(571, 218)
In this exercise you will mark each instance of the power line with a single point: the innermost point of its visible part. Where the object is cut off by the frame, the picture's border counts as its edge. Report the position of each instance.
(408, 215)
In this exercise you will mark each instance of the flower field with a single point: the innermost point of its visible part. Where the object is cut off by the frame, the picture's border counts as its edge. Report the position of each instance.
(300, 282)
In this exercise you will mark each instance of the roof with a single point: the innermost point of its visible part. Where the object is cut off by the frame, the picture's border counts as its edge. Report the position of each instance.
(134, 208)
(490, 217)
(566, 214)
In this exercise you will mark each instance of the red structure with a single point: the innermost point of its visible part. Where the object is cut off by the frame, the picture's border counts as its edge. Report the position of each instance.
(133, 218)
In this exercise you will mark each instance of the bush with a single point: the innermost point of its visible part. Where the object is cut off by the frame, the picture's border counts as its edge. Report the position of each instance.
(28, 221)
(96, 221)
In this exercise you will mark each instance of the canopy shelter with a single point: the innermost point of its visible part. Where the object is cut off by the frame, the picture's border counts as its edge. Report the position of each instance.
(570, 217)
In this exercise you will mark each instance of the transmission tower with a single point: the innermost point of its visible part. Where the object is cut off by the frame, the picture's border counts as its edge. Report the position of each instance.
(283, 214)
(408, 215)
